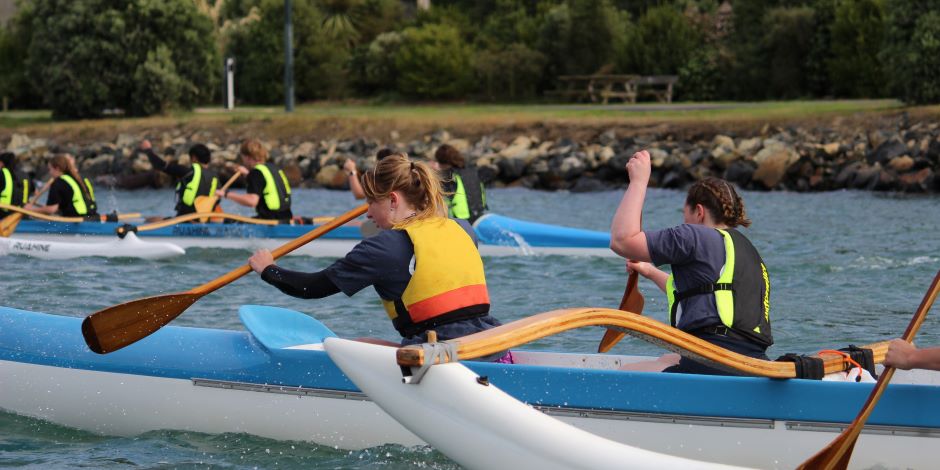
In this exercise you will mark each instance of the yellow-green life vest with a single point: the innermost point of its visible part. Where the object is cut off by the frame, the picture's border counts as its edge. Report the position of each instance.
(6, 196)
(469, 199)
(273, 195)
(742, 291)
(195, 182)
(78, 197)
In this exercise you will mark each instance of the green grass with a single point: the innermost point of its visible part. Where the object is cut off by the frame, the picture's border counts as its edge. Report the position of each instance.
(351, 116)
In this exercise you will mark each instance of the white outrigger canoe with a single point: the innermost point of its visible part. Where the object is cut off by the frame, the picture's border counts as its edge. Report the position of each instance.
(275, 380)
(129, 247)
(498, 236)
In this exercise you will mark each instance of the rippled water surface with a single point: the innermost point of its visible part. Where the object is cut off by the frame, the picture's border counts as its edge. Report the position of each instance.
(846, 267)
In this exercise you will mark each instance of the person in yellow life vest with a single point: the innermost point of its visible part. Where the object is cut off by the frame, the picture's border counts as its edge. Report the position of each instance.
(424, 266)
(267, 188)
(191, 181)
(465, 195)
(70, 194)
(719, 289)
(14, 188)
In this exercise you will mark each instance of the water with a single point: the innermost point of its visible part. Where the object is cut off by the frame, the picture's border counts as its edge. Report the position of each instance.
(846, 267)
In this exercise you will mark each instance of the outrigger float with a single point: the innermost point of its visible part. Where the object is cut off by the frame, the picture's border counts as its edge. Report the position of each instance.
(275, 380)
(498, 235)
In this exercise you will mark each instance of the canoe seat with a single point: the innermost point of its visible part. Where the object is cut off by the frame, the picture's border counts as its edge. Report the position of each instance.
(281, 328)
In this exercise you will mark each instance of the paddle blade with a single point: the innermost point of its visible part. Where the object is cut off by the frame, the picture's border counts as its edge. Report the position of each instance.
(205, 204)
(113, 328)
(632, 301)
(8, 224)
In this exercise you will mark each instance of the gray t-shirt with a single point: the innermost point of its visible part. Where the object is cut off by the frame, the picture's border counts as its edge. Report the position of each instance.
(696, 254)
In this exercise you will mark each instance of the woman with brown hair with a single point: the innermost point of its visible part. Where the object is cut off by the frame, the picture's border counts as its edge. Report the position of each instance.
(70, 194)
(424, 266)
(267, 188)
(719, 289)
(465, 195)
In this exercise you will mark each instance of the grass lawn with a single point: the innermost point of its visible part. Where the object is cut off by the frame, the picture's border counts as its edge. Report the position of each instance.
(359, 118)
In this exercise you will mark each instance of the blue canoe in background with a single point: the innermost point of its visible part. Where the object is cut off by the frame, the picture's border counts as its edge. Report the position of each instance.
(274, 379)
(498, 236)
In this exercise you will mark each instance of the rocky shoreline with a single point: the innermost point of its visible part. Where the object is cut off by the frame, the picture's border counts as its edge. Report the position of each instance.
(904, 157)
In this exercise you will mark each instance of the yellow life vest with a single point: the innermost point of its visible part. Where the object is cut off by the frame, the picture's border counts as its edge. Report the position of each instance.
(447, 283)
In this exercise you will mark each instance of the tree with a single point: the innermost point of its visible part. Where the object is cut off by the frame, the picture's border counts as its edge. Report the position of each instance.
(857, 33)
(86, 54)
(319, 57)
(911, 52)
(788, 40)
(662, 44)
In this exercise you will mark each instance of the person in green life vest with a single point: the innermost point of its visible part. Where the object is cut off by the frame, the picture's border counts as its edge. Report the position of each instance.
(70, 195)
(466, 195)
(719, 289)
(191, 181)
(267, 189)
(14, 188)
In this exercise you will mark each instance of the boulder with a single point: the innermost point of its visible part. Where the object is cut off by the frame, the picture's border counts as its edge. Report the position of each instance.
(887, 151)
(901, 164)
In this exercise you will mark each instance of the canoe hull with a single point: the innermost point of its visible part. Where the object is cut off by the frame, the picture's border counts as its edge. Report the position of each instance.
(498, 236)
(68, 248)
(275, 381)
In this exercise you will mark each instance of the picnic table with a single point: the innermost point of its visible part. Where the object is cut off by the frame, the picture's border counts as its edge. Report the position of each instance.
(604, 88)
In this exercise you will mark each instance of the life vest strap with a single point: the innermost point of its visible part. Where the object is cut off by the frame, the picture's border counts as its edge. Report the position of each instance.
(703, 289)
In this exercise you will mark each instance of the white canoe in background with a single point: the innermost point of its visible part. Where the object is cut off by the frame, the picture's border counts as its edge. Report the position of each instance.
(128, 247)
(480, 426)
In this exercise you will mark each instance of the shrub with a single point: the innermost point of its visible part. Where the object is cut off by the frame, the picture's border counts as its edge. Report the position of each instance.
(512, 73)
(433, 62)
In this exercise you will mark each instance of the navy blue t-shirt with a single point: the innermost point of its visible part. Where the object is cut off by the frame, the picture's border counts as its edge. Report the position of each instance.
(696, 254)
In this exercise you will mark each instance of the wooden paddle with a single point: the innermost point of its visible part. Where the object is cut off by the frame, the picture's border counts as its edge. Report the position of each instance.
(207, 203)
(57, 218)
(8, 224)
(545, 324)
(633, 302)
(120, 325)
(837, 454)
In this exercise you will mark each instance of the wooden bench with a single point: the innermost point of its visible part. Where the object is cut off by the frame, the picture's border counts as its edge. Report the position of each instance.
(605, 88)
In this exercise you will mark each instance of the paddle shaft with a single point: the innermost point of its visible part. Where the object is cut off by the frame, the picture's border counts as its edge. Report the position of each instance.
(837, 454)
(281, 250)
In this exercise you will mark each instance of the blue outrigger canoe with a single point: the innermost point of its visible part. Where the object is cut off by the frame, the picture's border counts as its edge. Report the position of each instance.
(498, 236)
(274, 379)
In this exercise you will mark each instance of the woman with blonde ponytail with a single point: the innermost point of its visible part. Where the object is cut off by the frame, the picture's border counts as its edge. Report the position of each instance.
(424, 266)
(719, 289)
(70, 194)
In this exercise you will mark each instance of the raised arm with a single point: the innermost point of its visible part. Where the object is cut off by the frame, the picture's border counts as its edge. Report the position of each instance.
(626, 231)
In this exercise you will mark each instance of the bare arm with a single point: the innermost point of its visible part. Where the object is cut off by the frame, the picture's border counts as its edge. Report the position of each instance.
(904, 355)
(354, 185)
(50, 209)
(650, 272)
(249, 200)
(626, 231)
